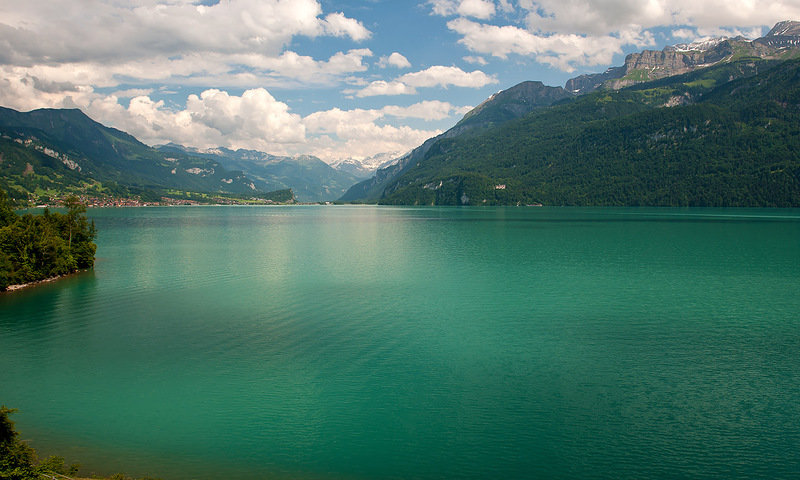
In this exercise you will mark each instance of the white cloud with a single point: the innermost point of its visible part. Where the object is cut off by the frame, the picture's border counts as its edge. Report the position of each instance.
(609, 16)
(338, 25)
(359, 133)
(394, 60)
(133, 92)
(572, 33)
(505, 6)
(444, 8)
(380, 87)
(426, 110)
(442, 76)
(62, 31)
(252, 120)
(475, 60)
(238, 43)
(482, 9)
(684, 34)
(564, 51)
(436, 76)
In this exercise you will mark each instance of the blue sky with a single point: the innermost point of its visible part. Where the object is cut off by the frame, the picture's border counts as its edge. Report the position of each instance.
(332, 78)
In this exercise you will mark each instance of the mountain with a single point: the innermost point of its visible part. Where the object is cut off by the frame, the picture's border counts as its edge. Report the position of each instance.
(366, 167)
(782, 42)
(51, 150)
(736, 58)
(725, 135)
(311, 179)
(501, 107)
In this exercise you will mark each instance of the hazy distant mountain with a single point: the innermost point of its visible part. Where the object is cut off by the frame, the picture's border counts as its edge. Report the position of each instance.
(365, 168)
(311, 179)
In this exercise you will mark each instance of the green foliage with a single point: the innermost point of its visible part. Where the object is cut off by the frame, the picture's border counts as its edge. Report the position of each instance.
(36, 247)
(722, 142)
(17, 460)
(57, 151)
(55, 464)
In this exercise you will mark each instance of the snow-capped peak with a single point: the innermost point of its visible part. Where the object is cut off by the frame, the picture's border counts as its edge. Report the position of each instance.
(701, 45)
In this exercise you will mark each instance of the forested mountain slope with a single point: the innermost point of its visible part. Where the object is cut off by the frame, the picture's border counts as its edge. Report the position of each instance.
(52, 149)
(695, 139)
(502, 107)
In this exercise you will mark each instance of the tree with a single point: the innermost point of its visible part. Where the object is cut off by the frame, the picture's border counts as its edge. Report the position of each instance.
(7, 215)
(16, 458)
(36, 247)
(74, 210)
(18, 461)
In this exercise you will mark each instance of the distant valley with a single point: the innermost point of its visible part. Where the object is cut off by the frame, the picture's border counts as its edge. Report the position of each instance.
(51, 152)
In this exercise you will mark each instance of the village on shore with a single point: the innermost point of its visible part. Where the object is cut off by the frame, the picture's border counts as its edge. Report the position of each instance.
(107, 202)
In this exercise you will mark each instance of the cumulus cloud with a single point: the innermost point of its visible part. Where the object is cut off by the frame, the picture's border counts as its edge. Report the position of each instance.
(37, 32)
(338, 25)
(436, 76)
(564, 51)
(231, 43)
(442, 76)
(253, 120)
(381, 87)
(359, 133)
(600, 18)
(573, 33)
(426, 110)
(475, 60)
(482, 9)
(394, 60)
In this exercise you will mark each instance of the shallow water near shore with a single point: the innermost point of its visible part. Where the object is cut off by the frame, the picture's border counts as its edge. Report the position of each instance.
(377, 342)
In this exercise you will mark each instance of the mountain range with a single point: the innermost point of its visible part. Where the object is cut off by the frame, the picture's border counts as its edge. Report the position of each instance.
(703, 124)
(311, 179)
(708, 123)
(52, 151)
(781, 43)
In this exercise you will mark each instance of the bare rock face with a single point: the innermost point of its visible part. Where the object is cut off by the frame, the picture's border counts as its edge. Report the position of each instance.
(783, 35)
(593, 81)
(675, 60)
(788, 28)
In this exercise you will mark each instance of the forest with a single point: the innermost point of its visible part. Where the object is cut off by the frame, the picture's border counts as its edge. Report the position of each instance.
(38, 247)
(692, 140)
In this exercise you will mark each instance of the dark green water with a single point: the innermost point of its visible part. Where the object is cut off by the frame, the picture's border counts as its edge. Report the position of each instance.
(374, 343)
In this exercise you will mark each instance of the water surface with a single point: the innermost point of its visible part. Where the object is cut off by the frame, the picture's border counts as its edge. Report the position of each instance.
(370, 342)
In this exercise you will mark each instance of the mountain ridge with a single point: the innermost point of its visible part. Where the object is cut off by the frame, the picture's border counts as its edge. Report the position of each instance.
(721, 136)
(782, 40)
(48, 150)
(673, 60)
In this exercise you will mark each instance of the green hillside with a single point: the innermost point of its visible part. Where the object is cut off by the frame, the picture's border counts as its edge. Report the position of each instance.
(500, 108)
(56, 151)
(723, 136)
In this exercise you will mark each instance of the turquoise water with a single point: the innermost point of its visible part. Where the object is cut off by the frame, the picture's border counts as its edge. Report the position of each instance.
(379, 343)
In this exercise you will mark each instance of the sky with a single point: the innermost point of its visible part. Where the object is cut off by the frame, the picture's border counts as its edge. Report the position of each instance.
(332, 78)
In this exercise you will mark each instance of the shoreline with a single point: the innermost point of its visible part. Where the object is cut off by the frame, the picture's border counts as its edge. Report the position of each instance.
(23, 286)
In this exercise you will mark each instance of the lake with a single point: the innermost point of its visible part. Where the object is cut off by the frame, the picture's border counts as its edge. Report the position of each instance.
(362, 342)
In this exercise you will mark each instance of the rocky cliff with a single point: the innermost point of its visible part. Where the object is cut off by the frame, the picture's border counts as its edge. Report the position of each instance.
(782, 41)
